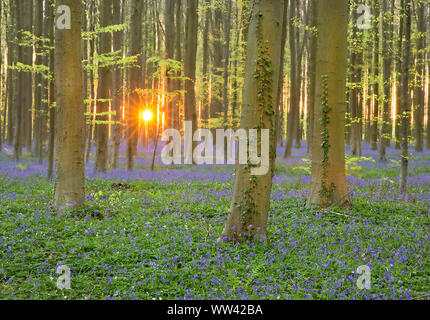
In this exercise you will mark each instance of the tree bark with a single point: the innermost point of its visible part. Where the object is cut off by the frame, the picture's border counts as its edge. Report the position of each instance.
(70, 131)
(190, 62)
(104, 94)
(136, 47)
(328, 186)
(117, 85)
(420, 78)
(387, 65)
(405, 98)
(251, 195)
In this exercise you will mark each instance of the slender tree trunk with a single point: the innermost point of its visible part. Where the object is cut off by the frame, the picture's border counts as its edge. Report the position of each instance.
(328, 185)
(190, 62)
(104, 94)
(399, 69)
(294, 109)
(312, 74)
(70, 133)
(375, 115)
(37, 125)
(170, 34)
(405, 102)
(136, 47)
(205, 72)
(218, 66)
(52, 107)
(387, 65)
(117, 85)
(11, 73)
(284, 29)
(227, 29)
(420, 78)
(178, 57)
(356, 83)
(251, 195)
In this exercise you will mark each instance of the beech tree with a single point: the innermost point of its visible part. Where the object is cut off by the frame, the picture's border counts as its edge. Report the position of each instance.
(70, 130)
(328, 185)
(104, 95)
(251, 195)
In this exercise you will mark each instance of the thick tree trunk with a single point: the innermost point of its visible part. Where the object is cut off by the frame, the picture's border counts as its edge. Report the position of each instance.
(70, 133)
(328, 185)
(251, 196)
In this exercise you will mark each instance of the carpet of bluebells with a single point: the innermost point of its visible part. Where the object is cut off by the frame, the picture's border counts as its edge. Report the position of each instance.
(152, 235)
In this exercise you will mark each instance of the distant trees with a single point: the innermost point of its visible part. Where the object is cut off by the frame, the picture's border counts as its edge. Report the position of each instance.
(200, 46)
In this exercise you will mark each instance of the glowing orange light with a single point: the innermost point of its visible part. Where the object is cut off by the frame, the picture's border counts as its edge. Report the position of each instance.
(147, 115)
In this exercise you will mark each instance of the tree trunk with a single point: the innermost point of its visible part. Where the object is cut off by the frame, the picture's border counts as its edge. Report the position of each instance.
(375, 115)
(399, 69)
(356, 83)
(170, 33)
(405, 102)
(117, 85)
(52, 108)
(11, 73)
(205, 72)
(420, 78)
(293, 113)
(387, 65)
(104, 94)
(284, 29)
(136, 47)
(190, 62)
(70, 133)
(328, 185)
(251, 196)
(37, 124)
(217, 80)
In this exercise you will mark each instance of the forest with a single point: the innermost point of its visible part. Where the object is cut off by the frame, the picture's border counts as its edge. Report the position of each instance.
(215, 149)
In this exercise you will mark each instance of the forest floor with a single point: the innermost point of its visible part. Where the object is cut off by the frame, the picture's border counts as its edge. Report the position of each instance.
(152, 235)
